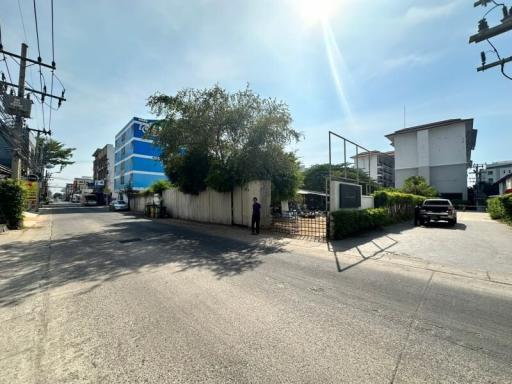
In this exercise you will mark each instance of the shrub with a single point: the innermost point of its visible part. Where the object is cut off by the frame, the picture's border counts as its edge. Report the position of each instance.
(158, 187)
(12, 203)
(399, 205)
(500, 208)
(350, 221)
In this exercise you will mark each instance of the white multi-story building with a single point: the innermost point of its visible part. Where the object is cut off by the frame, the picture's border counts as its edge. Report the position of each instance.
(495, 171)
(440, 152)
(380, 166)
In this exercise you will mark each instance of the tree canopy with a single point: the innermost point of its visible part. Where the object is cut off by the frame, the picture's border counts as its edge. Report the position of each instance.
(417, 185)
(214, 138)
(315, 176)
(54, 153)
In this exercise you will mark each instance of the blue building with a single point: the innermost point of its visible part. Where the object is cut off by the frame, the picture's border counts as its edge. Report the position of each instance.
(137, 162)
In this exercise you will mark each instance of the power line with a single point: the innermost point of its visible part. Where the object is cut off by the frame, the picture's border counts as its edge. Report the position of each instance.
(5, 59)
(53, 70)
(22, 22)
(499, 58)
(53, 40)
(37, 31)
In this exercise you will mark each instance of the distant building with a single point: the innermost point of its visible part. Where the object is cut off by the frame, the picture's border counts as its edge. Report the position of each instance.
(103, 168)
(505, 184)
(440, 152)
(137, 163)
(68, 191)
(380, 166)
(495, 171)
(83, 184)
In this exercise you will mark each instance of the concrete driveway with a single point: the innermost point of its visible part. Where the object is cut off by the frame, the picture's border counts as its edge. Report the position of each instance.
(476, 243)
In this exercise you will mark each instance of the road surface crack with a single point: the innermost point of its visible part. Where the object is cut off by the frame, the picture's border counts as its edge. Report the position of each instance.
(411, 326)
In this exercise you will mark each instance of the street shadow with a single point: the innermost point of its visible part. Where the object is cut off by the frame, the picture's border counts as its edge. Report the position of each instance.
(368, 245)
(446, 225)
(123, 248)
(73, 209)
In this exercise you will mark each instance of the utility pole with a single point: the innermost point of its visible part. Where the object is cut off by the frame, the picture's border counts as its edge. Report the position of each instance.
(485, 32)
(18, 126)
(21, 107)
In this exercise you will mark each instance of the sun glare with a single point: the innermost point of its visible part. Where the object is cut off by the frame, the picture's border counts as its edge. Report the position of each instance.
(314, 11)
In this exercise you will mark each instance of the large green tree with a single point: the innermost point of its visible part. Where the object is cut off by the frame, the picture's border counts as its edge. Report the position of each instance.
(211, 137)
(417, 185)
(316, 175)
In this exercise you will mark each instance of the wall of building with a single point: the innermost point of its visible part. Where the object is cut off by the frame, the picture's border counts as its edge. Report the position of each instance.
(403, 174)
(447, 179)
(406, 151)
(447, 145)
(368, 164)
(493, 173)
(438, 154)
(136, 157)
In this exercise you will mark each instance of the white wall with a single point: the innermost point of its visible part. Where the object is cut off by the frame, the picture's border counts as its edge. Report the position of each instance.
(448, 145)
(367, 202)
(406, 150)
(368, 164)
(211, 206)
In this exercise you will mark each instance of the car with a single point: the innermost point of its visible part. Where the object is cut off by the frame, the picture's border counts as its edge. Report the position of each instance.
(118, 205)
(437, 210)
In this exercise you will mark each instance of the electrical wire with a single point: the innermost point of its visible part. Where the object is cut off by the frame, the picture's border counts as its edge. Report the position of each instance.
(499, 58)
(5, 58)
(53, 40)
(53, 75)
(22, 22)
(39, 60)
(493, 8)
(37, 31)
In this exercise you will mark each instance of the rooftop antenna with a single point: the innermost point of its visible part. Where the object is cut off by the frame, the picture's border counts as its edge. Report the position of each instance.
(404, 117)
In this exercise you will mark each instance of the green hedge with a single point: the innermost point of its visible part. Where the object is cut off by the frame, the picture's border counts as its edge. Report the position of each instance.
(500, 207)
(12, 203)
(347, 222)
(399, 205)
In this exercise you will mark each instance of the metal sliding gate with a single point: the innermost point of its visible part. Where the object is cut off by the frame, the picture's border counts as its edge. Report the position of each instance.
(306, 217)
(302, 224)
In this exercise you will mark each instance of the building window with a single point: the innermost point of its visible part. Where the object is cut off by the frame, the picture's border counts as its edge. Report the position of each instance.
(122, 180)
(489, 172)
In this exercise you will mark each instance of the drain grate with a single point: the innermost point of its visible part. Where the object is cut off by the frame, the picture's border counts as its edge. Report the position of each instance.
(130, 240)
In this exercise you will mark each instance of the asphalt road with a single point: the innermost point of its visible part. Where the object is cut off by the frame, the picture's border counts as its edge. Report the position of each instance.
(90, 296)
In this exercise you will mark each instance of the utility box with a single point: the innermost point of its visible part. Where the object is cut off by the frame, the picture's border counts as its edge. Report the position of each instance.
(15, 105)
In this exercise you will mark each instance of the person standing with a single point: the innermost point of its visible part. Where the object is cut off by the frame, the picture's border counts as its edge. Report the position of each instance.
(256, 215)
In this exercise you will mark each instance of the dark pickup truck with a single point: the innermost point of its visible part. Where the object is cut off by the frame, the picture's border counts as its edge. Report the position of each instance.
(436, 210)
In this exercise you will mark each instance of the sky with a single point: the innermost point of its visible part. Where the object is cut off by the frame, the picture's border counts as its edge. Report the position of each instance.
(349, 66)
